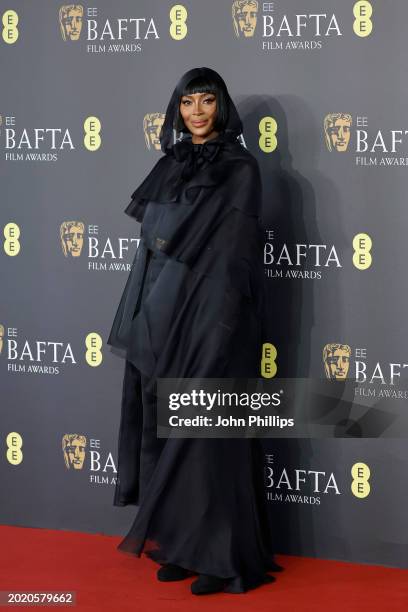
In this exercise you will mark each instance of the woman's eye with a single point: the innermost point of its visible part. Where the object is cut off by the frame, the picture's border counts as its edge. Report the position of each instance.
(207, 100)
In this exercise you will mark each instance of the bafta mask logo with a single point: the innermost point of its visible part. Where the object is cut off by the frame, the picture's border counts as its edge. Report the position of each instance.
(152, 123)
(72, 238)
(337, 131)
(70, 20)
(244, 17)
(1, 337)
(73, 448)
(336, 359)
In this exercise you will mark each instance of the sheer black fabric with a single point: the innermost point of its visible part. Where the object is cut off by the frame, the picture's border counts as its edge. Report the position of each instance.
(193, 307)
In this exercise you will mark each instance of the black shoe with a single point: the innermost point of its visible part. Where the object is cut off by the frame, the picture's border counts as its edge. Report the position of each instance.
(170, 572)
(274, 567)
(207, 584)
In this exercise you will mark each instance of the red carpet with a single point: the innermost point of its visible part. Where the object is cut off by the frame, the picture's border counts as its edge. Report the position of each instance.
(106, 579)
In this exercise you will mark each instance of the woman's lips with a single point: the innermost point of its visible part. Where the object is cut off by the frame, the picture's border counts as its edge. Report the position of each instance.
(198, 123)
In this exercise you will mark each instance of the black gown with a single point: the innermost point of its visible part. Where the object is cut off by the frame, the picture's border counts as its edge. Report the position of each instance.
(201, 502)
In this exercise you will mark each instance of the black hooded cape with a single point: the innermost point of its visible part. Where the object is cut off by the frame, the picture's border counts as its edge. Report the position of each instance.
(200, 209)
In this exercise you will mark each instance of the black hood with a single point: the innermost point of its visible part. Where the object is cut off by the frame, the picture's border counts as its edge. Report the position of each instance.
(168, 134)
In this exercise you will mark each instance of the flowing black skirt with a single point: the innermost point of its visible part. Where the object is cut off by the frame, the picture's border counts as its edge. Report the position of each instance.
(201, 501)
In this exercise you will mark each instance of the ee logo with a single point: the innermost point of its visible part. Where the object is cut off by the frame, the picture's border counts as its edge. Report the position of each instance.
(267, 130)
(12, 234)
(93, 343)
(10, 31)
(360, 486)
(268, 361)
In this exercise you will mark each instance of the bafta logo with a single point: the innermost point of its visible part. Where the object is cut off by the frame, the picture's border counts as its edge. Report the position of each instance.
(244, 17)
(73, 448)
(72, 238)
(152, 123)
(337, 131)
(336, 359)
(1, 337)
(70, 20)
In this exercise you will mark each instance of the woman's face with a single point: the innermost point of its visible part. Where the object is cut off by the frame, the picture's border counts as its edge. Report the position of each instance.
(199, 113)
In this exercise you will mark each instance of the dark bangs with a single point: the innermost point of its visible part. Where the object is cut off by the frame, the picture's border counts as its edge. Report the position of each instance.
(206, 85)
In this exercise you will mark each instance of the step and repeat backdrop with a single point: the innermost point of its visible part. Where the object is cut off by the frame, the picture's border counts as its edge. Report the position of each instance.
(321, 88)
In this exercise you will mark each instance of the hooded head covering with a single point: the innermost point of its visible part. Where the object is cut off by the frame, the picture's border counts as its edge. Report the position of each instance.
(179, 144)
(168, 134)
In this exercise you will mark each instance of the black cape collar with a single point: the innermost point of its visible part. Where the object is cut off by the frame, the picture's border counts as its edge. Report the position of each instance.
(194, 156)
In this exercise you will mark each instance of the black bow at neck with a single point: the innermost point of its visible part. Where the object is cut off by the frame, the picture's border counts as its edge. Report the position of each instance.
(195, 155)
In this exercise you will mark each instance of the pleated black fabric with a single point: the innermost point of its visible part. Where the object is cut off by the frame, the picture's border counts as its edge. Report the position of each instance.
(193, 307)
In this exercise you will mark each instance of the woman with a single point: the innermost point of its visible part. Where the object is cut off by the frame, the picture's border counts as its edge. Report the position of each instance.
(192, 307)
